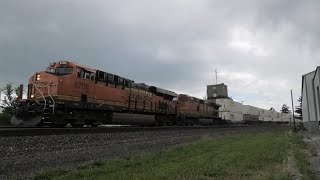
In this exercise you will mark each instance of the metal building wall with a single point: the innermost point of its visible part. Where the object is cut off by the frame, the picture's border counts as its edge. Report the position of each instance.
(316, 85)
(305, 112)
(309, 112)
(217, 91)
(285, 117)
(247, 109)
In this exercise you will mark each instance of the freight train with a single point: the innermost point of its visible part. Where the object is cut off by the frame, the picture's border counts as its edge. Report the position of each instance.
(237, 113)
(69, 93)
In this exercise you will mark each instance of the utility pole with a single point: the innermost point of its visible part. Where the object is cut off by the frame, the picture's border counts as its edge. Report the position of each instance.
(216, 71)
(294, 121)
(0, 96)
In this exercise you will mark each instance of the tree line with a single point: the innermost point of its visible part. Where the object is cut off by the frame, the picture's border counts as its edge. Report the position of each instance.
(298, 109)
(9, 95)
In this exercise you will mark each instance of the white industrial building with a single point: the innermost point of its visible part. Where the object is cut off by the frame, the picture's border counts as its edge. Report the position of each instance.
(311, 100)
(238, 113)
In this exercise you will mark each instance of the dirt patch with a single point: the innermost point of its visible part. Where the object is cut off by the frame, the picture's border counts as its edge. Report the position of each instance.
(293, 168)
(313, 140)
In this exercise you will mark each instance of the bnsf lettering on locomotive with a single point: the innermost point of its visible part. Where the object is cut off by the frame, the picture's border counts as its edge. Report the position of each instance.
(83, 86)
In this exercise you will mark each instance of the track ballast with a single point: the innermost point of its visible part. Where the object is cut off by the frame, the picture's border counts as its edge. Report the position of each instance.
(31, 131)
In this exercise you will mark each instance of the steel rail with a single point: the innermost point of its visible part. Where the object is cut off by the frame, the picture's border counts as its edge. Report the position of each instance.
(28, 131)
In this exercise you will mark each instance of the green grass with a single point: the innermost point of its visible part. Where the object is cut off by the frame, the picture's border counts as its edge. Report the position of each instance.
(258, 156)
(299, 148)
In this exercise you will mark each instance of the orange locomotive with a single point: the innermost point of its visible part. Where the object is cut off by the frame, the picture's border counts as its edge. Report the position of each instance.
(70, 93)
(194, 110)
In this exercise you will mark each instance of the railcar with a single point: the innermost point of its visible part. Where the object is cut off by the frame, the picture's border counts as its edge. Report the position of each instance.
(233, 112)
(69, 93)
(198, 111)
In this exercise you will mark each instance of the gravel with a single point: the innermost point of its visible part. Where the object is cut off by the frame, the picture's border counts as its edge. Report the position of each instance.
(23, 157)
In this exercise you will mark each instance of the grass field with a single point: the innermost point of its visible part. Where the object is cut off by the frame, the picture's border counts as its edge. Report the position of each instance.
(251, 156)
(299, 147)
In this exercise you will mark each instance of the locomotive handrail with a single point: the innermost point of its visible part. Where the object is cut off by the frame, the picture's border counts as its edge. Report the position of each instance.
(46, 85)
(54, 103)
(37, 101)
(45, 101)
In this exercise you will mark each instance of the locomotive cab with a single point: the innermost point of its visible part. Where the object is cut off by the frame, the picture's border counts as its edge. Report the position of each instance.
(60, 69)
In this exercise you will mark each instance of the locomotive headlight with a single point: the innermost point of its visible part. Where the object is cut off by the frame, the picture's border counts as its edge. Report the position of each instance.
(38, 77)
(32, 96)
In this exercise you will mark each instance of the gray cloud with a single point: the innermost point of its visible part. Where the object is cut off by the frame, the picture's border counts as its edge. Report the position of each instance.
(261, 48)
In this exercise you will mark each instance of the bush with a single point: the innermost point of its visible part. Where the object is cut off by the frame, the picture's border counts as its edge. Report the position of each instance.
(5, 118)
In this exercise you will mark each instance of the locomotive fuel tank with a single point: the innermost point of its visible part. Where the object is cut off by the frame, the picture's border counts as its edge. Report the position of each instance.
(133, 119)
(206, 121)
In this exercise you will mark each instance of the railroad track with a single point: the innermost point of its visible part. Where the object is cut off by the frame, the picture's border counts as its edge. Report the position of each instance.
(30, 131)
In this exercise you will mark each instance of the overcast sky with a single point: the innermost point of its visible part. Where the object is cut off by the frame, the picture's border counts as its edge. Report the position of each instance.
(260, 48)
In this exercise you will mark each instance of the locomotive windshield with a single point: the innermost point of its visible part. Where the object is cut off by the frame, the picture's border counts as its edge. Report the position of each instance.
(60, 71)
(63, 70)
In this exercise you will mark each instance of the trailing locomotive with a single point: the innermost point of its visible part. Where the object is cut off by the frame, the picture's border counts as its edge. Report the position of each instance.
(70, 93)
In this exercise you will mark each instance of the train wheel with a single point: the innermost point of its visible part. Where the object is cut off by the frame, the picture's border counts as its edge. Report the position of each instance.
(61, 125)
(57, 125)
(52, 126)
(77, 125)
(180, 123)
(40, 125)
